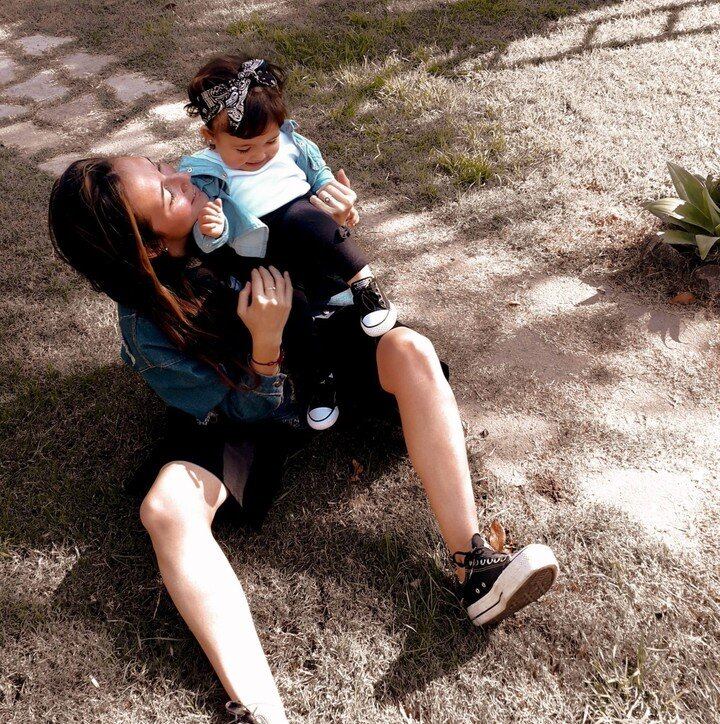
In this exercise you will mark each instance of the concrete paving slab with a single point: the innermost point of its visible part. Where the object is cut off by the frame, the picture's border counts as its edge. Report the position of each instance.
(10, 111)
(29, 138)
(40, 44)
(41, 87)
(81, 114)
(170, 112)
(8, 69)
(85, 65)
(134, 138)
(130, 87)
(55, 166)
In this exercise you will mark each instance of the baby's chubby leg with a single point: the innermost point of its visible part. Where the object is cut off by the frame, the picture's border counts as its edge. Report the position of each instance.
(315, 243)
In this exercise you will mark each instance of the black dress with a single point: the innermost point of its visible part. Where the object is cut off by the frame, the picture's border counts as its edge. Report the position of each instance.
(250, 458)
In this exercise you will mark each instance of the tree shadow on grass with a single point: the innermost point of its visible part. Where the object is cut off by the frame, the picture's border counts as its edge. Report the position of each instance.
(318, 36)
(69, 443)
(670, 31)
(169, 40)
(413, 157)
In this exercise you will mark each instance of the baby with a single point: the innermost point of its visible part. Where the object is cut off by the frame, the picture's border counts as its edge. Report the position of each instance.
(267, 186)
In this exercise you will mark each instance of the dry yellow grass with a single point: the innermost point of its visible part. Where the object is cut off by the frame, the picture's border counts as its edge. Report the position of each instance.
(600, 400)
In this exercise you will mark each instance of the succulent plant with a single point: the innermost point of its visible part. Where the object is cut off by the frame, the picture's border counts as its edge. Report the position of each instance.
(713, 186)
(696, 212)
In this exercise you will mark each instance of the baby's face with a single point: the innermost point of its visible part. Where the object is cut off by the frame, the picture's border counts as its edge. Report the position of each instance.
(247, 154)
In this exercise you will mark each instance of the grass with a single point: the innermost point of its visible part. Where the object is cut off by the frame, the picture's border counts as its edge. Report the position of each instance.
(499, 194)
(416, 123)
(351, 36)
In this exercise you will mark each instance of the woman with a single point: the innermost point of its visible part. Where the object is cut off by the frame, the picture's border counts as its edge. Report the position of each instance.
(216, 357)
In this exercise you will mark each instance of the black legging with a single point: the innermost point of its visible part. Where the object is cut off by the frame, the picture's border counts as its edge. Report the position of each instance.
(319, 254)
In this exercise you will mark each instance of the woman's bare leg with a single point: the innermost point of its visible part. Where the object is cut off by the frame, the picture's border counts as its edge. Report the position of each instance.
(410, 370)
(177, 512)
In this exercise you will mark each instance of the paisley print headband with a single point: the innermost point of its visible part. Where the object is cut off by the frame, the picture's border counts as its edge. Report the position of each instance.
(230, 95)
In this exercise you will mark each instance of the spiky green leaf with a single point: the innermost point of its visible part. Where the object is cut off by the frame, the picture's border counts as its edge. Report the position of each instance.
(712, 184)
(689, 188)
(712, 209)
(679, 238)
(676, 210)
(705, 243)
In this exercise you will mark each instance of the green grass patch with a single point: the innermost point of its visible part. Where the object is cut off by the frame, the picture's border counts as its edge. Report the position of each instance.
(330, 38)
(323, 46)
(479, 161)
(557, 9)
(464, 169)
(400, 126)
(619, 690)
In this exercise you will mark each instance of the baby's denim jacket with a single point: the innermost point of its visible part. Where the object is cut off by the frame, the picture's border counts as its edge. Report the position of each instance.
(244, 232)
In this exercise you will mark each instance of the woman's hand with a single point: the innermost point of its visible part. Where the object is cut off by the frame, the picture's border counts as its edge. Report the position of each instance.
(337, 199)
(264, 306)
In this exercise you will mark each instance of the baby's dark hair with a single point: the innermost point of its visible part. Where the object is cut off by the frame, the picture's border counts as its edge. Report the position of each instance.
(263, 104)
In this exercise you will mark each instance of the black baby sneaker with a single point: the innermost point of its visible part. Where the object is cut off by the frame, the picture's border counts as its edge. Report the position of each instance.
(377, 313)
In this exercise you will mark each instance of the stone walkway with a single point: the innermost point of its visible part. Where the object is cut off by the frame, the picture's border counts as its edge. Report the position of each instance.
(59, 102)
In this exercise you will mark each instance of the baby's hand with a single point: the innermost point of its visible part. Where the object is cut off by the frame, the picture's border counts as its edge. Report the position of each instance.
(212, 219)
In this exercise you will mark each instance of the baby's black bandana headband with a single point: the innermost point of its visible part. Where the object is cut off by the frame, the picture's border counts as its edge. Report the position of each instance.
(230, 95)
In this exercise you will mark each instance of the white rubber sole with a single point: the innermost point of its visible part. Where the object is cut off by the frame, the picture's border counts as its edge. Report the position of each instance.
(385, 326)
(530, 574)
(324, 422)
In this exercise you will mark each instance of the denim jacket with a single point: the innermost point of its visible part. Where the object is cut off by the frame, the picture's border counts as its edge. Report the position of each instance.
(245, 233)
(188, 384)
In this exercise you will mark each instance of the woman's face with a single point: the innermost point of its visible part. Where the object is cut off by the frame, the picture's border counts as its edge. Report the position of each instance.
(162, 197)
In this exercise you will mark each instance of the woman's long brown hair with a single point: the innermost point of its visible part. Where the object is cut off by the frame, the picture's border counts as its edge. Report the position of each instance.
(95, 230)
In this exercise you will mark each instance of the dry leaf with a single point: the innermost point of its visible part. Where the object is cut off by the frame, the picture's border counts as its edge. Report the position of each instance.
(497, 536)
(683, 298)
(357, 472)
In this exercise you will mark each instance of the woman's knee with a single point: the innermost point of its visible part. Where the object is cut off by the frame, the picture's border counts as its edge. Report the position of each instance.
(403, 352)
(168, 506)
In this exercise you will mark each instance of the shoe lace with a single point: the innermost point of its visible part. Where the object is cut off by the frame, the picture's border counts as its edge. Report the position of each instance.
(243, 715)
(371, 298)
(323, 389)
(478, 557)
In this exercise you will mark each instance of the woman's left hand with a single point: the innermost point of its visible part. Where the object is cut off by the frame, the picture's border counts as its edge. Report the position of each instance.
(337, 199)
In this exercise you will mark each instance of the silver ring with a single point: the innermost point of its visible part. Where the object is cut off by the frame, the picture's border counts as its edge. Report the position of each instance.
(327, 199)
(272, 289)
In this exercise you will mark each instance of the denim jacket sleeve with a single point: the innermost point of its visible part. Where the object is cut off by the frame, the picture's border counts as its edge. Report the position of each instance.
(245, 233)
(187, 384)
(210, 243)
(311, 161)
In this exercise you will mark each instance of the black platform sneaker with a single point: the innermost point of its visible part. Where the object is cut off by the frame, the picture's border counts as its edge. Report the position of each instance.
(242, 715)
(498, 585)
(377, 313)
(323, 411)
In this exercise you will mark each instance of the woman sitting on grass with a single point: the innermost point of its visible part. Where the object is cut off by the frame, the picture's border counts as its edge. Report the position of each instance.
(216, 358)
